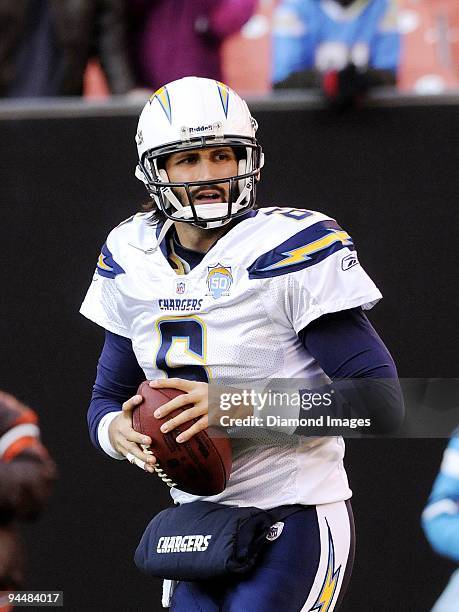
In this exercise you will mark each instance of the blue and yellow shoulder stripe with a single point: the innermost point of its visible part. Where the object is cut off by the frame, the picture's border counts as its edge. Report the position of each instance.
(302, 250)
(106, 265)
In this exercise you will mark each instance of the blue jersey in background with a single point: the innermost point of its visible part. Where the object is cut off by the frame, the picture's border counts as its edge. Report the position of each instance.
(440, 521)
(323, 35)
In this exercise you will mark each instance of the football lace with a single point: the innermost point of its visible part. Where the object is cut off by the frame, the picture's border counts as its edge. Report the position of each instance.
(159, 471)
(164, 477)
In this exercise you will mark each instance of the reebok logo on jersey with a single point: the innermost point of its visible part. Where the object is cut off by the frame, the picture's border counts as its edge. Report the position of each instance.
(349, 261)
(189, 543)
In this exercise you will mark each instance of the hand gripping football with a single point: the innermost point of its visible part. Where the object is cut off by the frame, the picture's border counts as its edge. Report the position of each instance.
(201, 465)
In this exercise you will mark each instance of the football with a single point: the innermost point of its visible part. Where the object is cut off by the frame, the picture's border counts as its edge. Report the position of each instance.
(201, 465)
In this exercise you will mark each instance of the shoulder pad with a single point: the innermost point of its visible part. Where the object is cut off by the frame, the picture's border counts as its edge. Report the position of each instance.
(306, 247)
(106, 264)
(133, 230)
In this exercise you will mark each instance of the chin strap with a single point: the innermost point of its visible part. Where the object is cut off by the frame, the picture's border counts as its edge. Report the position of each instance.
(166, 227)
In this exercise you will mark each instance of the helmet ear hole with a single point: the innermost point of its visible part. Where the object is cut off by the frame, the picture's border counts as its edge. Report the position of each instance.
(139, 174)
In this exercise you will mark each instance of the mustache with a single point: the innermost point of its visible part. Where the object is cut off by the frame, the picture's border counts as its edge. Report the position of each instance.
(197, 190)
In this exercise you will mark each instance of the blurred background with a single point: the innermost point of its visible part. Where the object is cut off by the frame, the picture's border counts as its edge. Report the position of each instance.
(358, 107)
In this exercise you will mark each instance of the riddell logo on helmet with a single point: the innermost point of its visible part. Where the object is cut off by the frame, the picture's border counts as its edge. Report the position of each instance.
(189, 543)
(212, 127)
(201, 128)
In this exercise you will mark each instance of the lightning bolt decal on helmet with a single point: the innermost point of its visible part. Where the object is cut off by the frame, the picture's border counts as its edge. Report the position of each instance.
(194, 113)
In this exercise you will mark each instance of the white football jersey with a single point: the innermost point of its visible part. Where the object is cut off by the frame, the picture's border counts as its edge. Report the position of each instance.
(235, 317)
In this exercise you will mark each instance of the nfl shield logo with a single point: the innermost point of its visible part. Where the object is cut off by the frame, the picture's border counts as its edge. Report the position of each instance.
(275, 531)
(180, 287)
(219, 280)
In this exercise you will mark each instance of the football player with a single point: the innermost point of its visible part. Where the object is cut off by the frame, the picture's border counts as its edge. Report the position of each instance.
(440, 520)
(204, 287)
(27, 474)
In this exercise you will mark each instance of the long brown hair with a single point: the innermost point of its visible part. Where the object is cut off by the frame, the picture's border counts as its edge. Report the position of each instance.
(157, 216)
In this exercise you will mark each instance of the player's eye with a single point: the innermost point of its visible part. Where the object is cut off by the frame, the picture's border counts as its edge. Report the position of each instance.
(223, 155)
(184, 161)
(188, 159)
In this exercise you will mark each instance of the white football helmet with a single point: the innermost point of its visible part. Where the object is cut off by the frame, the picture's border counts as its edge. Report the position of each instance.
(193, 113)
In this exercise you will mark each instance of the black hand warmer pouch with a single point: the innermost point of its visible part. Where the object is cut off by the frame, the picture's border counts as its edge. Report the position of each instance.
(203, 540)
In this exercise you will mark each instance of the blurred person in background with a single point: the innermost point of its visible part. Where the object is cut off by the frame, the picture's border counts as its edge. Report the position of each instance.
(342, 47)
(440, 521)
(45, 46)
(430, 58)
(171, 39)
(26, 476)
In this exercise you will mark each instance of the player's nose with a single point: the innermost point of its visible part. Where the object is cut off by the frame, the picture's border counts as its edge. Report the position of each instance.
(207, 169)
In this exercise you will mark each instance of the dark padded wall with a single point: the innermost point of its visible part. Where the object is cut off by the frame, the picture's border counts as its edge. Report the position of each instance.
(389, 175)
